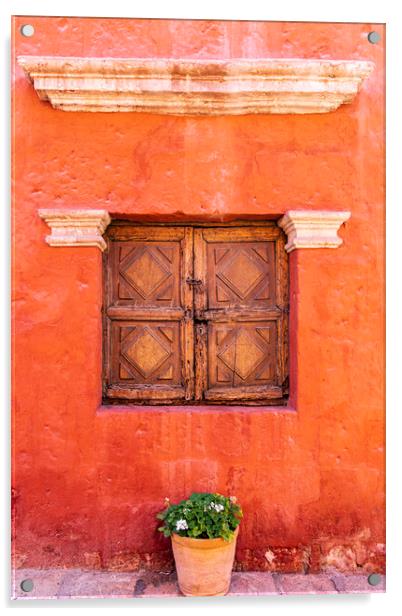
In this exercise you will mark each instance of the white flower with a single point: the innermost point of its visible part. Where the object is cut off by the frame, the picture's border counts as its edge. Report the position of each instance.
(181, 525)
(233, 499)
(216, 506)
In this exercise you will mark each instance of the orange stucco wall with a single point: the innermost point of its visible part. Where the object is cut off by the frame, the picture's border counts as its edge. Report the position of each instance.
(88, 480)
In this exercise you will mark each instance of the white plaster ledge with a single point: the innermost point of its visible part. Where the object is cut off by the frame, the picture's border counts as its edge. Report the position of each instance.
(195, 87)
(312, 229)
(76, 227)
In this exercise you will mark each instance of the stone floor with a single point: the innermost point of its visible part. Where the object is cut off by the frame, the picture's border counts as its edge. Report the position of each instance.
(76, 583)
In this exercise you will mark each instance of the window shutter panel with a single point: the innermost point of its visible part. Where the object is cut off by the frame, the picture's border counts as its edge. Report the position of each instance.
(149, 335)
(243, 304)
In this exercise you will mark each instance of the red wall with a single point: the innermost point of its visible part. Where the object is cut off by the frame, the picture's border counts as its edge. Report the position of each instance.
(88, 480)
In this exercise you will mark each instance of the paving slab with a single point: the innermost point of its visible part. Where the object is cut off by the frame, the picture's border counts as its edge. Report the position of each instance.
(46, 583)
(290, 584)
(97, 584)
(348, 583)
(151, 584)
(252, 583)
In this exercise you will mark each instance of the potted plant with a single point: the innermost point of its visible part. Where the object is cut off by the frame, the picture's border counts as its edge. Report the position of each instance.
(203, 530)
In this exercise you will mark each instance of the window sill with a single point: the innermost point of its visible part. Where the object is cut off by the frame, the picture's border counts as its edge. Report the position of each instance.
(104, 409)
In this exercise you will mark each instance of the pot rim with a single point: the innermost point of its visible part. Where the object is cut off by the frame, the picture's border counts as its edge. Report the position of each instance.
(204, 544)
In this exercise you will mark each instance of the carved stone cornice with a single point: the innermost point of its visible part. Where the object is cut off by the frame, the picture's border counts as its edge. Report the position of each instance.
(195, 87)
(76, 227)
(312, 229)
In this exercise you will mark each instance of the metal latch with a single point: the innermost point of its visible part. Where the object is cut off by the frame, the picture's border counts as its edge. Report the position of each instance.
(188, 314)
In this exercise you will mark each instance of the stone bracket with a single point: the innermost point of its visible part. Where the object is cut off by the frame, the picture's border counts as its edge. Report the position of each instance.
(312, 228)
(195, 86)
(76, 227)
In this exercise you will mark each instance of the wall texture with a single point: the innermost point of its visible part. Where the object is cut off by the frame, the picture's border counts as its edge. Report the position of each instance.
(88, 480)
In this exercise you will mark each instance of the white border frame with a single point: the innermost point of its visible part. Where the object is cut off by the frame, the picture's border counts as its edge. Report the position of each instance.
(361, 11)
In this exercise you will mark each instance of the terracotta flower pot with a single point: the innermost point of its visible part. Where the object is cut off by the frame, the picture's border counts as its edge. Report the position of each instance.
(204, 566)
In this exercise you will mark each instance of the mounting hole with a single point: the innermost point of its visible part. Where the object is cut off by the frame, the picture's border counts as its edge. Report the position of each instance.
(374, 37)
(27, 585)
(27, 30)
(374, 579)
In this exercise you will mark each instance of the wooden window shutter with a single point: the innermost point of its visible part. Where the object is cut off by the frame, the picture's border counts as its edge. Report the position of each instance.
(241, 306)
(196, 314)
(148, 332)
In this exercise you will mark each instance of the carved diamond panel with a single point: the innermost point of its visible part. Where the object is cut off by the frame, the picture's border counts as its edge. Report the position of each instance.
(146, 273)
(148, 352)
(149, 273)
(242, 354)
(241, 274)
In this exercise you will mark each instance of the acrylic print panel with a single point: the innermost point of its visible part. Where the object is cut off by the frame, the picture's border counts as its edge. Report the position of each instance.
(208, 124)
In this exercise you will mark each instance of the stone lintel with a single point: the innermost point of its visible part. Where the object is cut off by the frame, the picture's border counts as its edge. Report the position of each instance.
(78, 227)
(195, 86)
(312, 228)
